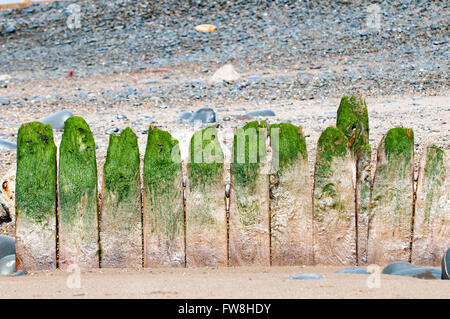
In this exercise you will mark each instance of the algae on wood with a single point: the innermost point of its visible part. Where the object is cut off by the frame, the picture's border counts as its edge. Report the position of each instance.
(121, 224)
(249, 220)
(35, 241)
(78, 197)
(290, 200)
(164, 228)
(206, 216)
(432, 211)
(391, 208)
(353, 120)
(334, 201)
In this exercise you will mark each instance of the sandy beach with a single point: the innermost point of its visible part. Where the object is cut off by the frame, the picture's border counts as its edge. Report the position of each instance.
(223, 283)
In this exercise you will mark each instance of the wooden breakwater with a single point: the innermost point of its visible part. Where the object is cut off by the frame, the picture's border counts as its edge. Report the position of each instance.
(266, 214)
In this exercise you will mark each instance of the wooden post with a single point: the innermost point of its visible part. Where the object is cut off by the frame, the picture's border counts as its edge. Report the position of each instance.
(290, 200)
(121, 224)
(432, 211)
(35, 198)
(206, 216)
(392, 199)
(78, 198)
(164, 224)
(353, 120)
(334, 201)
(249, 221)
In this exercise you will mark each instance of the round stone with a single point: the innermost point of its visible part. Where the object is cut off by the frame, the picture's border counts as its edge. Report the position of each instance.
(421, 272)
(393, 268)
(57, 120)
(8, 265)
(446, 265)
(353, 270)
(185, 115)
(204, 114)
(308, 276)
(261, 113)
(7, 145)
(6, 246)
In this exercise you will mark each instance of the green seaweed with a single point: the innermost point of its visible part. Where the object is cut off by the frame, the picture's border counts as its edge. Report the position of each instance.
(399, 142)
(162, 168)
(36, 172)
(435, 172)
(353, 120)
(206, 164)
(254, 153)
(289, 145)
(77, 172)
(121, 169)
(332, 144)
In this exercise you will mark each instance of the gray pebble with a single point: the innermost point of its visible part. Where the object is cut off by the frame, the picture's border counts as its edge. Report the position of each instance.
(185, 115)
(353, 270)
(6, 246)
(19, 273)
(57, 120)
(4, 101)
(421, 272)
(8, 265)
(446, 265)
(261, 113)
(393, 268)
(112, 130)
(7, 145)
(305, 276)
(204, 114)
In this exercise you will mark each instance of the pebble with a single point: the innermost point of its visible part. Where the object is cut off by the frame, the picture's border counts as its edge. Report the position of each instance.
(204, 114)
(6, 246)
(353, 270)
(21, 272)
(396, 267)
(446, 265)
(305, 276)
(225, 73)
(261, 113)
(421, 272)
(112, 130)
(185, 115)
(4, 101)
(57, 120)
(7, 145)
(8, 265)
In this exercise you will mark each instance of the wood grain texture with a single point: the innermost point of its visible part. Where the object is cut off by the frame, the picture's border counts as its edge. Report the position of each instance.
(121, 225)
(78, 197)
(249, 220)
(163, 214)
(334, 201)
(432, 211)
(392, 199)
(35, 239)
(206, 215)
(290, 200)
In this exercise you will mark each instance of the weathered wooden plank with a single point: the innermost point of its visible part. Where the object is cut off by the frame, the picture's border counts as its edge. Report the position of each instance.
(206, 216)
(334, 201)
(353, 120)
(432, 211)
(35, 198)
(290, 200)
(78, 196)
(121, 224)
(164, 225)
(249, 235)
(392, 199)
